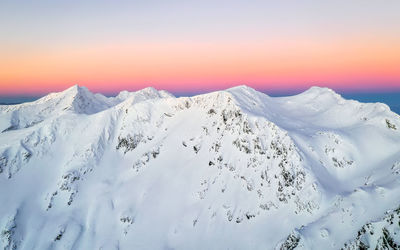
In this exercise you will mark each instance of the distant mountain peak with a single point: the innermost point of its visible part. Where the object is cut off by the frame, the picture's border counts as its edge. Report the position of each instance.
(152, 92)
(320, 91)
(240, 87)
(76, 87)
(72, 91)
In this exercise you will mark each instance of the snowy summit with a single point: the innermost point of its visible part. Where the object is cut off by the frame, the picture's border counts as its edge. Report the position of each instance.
(233, 169)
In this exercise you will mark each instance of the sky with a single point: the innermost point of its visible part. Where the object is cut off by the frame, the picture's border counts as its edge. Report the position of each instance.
(198, 46)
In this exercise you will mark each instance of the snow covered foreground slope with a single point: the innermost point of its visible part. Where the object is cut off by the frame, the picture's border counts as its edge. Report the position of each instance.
(233, 169)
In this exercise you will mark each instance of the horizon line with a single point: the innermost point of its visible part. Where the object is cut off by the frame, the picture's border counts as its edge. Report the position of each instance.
(12, 99)
(181, 93)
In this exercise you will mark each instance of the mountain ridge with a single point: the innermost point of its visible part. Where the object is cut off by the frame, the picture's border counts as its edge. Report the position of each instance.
(228, 169)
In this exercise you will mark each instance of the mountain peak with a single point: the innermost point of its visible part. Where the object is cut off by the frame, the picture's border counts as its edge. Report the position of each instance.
(244, 89)
(73, 87)
(70, 92)
(76, 89)
(316, 90)
(320, 95)
(76, 98)
(143, 94)
(151, 92)
(240, 87)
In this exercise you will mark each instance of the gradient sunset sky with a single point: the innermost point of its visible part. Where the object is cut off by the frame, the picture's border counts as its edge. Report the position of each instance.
(197, 46)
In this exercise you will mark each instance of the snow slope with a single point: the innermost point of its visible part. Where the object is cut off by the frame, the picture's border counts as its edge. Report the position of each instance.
(233, 169)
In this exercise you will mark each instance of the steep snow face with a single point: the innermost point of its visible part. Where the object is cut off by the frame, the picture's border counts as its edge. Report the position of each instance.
(230, 169)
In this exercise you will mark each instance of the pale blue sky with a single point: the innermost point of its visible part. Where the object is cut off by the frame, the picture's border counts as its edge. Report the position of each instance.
(57, 22)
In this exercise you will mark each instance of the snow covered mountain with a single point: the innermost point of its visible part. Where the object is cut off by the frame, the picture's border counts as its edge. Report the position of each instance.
(233, 169)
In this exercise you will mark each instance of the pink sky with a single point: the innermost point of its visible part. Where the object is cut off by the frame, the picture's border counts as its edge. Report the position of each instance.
(195, 67)
(199, 46)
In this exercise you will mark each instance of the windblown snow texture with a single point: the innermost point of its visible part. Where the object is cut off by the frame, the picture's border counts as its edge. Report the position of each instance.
(233, 169)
